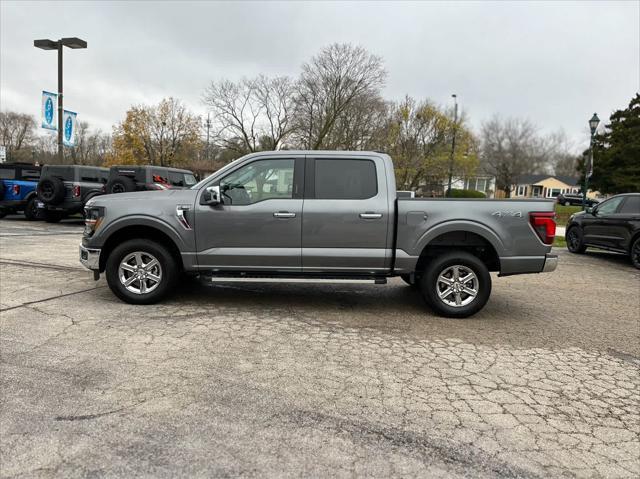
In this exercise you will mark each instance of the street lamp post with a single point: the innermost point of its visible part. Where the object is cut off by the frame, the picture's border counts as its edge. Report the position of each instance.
(453, 141)
(588, 167)
(72, 42)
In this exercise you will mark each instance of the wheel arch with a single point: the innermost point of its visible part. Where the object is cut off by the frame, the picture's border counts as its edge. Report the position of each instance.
(140, 231)
(480, 245)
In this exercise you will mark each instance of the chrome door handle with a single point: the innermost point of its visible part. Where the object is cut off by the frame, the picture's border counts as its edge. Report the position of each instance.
(284, 214)
(370, 216)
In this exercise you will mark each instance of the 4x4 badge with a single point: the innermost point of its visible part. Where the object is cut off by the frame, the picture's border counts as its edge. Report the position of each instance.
(500, 214)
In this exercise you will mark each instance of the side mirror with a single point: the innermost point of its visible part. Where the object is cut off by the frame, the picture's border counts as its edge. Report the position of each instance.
(211, 196)
(593, 210)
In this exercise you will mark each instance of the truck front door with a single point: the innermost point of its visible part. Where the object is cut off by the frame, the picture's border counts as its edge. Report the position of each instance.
(345, 216)
(258, 224)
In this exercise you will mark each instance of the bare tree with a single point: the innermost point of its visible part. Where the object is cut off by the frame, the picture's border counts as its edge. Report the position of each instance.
(17, 131)
(512, 148)
(251, 114)
(340, 77)
(91, 148)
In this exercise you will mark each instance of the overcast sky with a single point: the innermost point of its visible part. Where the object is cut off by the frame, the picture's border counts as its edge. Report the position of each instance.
(554, 63)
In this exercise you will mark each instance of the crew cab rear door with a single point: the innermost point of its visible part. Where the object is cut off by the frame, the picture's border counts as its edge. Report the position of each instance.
(345, 215)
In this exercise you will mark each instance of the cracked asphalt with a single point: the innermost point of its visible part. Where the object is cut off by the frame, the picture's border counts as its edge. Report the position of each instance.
(302, 380)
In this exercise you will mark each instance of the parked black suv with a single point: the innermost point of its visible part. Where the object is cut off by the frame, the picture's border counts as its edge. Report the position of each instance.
(613, 225)
(574, 199)
(63, 190)
(18, 189)
(141, 178)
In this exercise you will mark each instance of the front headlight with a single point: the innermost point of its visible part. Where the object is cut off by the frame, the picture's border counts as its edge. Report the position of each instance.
(93, 216)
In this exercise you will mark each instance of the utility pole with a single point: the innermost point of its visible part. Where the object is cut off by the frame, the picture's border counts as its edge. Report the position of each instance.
(453, 141)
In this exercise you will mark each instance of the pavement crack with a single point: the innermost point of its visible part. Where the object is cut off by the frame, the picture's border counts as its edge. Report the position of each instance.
(50, 298)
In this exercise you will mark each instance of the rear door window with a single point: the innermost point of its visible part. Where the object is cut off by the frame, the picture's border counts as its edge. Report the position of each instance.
(30, 175)
(631, 206)
(181, 179)
(159, 175)
(342, 179)
(90, 174)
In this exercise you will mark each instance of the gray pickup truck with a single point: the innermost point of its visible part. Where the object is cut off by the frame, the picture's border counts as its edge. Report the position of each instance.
(314, 216)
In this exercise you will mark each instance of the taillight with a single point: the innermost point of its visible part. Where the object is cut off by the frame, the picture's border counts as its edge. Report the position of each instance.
(16, 189)
(76, 191)
(544, 224)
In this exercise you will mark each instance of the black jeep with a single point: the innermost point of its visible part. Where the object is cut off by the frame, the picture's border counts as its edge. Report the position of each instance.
(143, 178)
(63, 190)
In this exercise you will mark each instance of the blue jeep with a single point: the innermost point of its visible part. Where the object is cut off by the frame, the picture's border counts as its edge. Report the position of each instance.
(18, 183)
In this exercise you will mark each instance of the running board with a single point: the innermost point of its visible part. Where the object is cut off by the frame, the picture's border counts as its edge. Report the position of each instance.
(252, 279)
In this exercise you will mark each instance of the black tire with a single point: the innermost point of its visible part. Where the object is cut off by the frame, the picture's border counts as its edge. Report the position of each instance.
(168, 271)
(31, 211)
(120, 184)
(634, 253)
(52, 216)
(407, 279)
(51, 190)
(442, 265)
(575, 243)
(3, 212)
(2, 189)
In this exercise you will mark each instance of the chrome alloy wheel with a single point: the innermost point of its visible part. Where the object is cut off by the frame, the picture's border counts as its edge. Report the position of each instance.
(140, 272)
(457, 286)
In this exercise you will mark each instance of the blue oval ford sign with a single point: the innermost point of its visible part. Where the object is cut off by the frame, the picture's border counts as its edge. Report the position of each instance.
(48, 111)
(68, 127)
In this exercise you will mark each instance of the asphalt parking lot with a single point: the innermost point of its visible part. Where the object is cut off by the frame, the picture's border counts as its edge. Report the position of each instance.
(300, 380)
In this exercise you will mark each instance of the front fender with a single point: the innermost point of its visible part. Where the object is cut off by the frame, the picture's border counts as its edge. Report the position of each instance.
(119, 224)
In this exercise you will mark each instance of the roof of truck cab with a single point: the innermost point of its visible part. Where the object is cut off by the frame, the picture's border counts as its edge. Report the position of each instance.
(338, 153)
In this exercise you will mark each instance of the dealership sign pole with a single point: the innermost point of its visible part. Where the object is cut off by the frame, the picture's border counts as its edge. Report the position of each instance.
(71, 42)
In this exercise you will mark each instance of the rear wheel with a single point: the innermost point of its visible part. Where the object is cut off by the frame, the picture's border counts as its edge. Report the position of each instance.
(456, 284)
(31, 211)
(3, 212)
(141, 271)
(635, 253)
(575, 243)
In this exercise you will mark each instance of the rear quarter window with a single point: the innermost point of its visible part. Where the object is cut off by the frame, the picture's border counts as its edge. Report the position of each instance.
(7, 174)
(31, 175)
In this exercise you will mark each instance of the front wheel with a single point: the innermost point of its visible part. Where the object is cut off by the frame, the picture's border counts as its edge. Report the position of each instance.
(635, 253)
(456, 284)
(141, 271)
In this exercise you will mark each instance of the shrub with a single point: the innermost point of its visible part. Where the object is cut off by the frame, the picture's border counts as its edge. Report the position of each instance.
(467, 194)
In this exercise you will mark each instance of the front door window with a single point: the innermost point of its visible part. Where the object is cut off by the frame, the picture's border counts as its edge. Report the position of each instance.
(259, 181)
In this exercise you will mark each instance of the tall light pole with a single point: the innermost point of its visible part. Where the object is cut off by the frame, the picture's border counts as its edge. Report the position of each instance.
(453, 141)
(208, 126)
(588, 167)
(72, 42)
